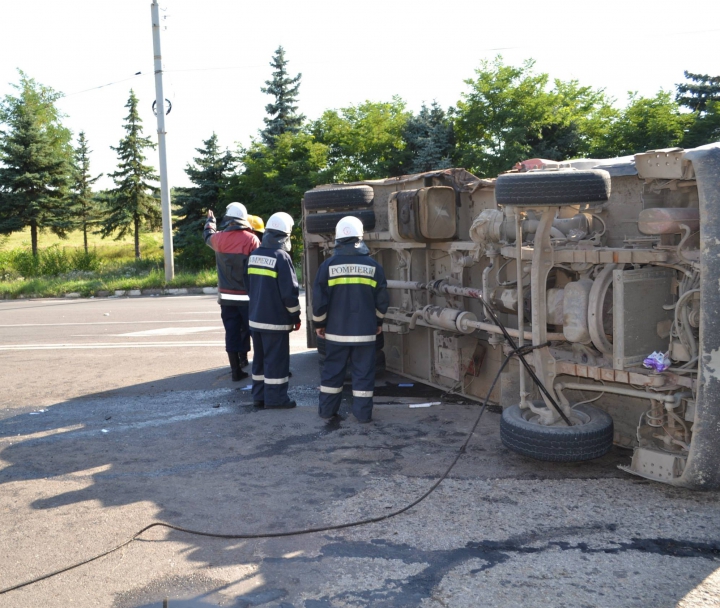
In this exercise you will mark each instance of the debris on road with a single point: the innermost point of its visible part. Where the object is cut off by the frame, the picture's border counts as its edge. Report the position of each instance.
(430, 404)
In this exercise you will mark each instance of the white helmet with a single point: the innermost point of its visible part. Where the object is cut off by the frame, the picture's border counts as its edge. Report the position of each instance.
(281, 221)
(347, 227)
(236, 210)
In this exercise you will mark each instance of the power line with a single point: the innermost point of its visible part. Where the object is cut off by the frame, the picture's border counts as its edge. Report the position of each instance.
(262, 65)
(102, 86)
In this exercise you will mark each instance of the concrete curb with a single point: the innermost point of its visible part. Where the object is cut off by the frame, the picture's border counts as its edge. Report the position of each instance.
(120, 293)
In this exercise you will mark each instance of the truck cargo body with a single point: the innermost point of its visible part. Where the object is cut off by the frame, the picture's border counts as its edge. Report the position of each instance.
(619, 258)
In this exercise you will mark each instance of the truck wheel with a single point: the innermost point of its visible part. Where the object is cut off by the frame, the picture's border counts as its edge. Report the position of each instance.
(552, 188)
(324, 223)
(591, 435)
(352, 197)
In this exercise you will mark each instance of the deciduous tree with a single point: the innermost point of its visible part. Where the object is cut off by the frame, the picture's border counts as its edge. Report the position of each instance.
(364, 141)
(275, 178)
(509, 114)
(648, 123)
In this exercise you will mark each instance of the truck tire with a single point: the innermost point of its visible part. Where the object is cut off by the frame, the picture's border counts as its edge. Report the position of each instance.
(552, 188)
(591, 437)
(324, 223)
(351, 197)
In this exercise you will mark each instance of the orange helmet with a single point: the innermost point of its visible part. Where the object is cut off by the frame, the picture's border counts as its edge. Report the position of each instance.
(256, 223)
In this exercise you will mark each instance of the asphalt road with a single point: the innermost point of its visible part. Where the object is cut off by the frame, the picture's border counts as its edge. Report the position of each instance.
(115, 413)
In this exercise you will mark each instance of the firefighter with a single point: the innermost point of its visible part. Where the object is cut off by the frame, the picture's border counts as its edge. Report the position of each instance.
(350, 300)
(274, 313)
(257, 225)
(232, 247)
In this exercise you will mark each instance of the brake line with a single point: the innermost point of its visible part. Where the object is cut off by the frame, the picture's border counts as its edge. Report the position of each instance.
(520, 352)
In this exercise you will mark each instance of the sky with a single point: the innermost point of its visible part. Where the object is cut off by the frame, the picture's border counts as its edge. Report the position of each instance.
(216, 56)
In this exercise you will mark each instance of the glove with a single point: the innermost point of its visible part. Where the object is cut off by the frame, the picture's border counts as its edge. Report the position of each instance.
(297, 325)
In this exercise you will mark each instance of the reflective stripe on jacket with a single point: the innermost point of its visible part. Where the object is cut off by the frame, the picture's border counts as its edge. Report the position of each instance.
(274, 291)
(232, 247)
(350, 295)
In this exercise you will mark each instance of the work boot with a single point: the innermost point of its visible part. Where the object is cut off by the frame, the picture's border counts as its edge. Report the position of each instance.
(283, 406)
(259, 404)
(243, 360)
(237, 373)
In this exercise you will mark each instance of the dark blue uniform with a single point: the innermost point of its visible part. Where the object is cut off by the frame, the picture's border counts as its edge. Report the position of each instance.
(350, 300)
(274, 310)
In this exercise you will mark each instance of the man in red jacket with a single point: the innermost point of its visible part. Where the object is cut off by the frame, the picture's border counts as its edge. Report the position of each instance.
(232, 247)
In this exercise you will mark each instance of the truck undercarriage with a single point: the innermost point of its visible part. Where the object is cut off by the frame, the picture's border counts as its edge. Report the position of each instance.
(595, 263)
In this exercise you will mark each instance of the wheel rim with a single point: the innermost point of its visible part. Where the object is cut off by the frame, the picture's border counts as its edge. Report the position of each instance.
(595, 310)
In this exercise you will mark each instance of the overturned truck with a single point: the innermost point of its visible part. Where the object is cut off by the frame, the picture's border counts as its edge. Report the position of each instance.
(575, 272)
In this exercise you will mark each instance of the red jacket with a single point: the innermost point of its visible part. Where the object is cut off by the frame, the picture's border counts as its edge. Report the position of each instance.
(232, 248)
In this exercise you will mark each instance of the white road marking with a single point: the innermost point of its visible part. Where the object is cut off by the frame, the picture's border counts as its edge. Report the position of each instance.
(118, 428)
(168, 331)
(99, 346)
(107, 323)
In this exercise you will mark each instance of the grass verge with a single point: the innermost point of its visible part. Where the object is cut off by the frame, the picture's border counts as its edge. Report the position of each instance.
(63, 267)
(89, 283)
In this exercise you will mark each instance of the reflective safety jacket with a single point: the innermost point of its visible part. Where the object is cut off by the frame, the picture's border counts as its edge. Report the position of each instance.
(232, 247)
(274, 290)
(350, 296)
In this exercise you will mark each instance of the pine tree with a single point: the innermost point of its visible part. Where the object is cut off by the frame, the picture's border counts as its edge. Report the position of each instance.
(135, 201)
(34, 168)
(282, 115)
(430, 139)
(699, 92)
(702, 96)
(83, 203)
(210, 175)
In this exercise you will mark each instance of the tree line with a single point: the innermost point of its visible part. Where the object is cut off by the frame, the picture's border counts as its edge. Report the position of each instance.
(46, 182)
(506, 114)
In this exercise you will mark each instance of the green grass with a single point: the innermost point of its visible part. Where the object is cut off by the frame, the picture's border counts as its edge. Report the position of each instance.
(62, 266)
(150, 242)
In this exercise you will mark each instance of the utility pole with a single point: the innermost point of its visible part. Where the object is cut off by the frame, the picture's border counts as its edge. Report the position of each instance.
(160, 112)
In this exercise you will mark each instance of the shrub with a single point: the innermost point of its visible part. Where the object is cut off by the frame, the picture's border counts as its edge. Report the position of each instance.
(193, 254)
(25, 262)
(7, 267)
(88, 262)
(54, 261)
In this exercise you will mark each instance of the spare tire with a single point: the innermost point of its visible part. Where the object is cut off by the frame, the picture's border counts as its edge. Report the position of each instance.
(324, 223)
(591, 435)
(553, 188)
(349, 197)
